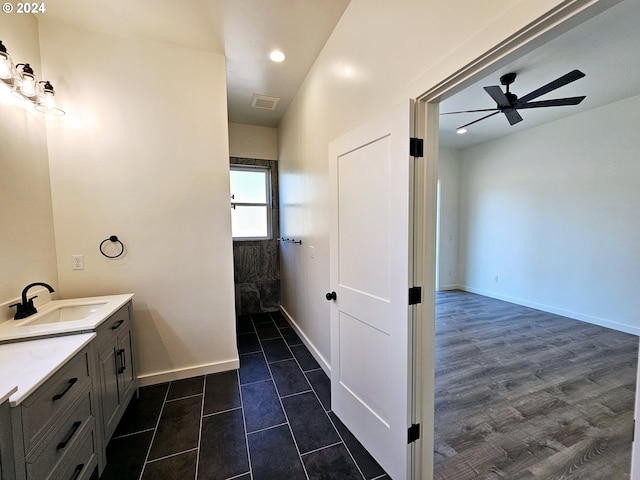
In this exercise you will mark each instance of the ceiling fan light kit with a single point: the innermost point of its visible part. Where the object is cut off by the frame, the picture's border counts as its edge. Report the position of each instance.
(508, 103)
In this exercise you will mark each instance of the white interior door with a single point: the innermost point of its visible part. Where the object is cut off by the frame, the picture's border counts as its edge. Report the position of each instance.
(371, 175)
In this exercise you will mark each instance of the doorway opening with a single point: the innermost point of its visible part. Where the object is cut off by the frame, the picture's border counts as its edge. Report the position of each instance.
(467, 78)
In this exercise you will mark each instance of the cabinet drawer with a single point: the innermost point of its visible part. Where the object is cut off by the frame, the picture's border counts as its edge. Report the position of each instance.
(62, 440)
(82, 460)
(112, 326)
(51, 399)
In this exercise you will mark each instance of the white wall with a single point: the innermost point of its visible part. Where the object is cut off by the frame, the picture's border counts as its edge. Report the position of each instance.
(379, 54)
(27, 243)
(449, 179)
(252, 141)
(553, 212)
(137, 157)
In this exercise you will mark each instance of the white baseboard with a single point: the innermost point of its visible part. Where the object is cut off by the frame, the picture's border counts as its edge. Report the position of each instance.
(449, 287)
(602, 322)
(182, 373)
(314, 351)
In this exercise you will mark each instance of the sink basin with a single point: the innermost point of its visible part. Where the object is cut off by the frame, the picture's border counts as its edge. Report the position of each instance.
(65, 313)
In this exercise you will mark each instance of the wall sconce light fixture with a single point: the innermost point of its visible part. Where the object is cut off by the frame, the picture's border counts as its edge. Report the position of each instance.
(22, 81)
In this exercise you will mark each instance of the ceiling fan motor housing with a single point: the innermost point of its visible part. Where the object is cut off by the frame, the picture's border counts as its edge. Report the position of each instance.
(512, 97)
(508, 78)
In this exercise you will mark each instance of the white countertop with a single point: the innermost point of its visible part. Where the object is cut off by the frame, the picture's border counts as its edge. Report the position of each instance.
(29, 364)
(12, 330)
(6, 389)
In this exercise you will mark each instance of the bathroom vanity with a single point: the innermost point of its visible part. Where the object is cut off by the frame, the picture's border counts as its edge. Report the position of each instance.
(6, 437)
(73, 366)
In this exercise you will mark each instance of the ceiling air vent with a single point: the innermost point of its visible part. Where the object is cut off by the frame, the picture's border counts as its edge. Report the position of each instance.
(265, 102)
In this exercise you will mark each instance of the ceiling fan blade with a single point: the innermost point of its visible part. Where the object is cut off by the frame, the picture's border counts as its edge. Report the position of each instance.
(472, 111)
(557, 83)
(476, 121)
(558, 102)
(513, 116)
(498, 96)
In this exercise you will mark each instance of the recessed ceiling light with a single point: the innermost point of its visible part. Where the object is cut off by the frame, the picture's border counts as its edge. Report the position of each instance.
(461, 131)
(277, 56)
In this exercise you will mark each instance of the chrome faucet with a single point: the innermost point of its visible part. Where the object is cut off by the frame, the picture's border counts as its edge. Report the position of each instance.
(27, 308)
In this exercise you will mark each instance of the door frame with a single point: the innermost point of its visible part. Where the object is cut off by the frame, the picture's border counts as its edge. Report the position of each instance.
(554, 23)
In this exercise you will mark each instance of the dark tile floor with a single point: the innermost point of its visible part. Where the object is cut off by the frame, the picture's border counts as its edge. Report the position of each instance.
(271, 419)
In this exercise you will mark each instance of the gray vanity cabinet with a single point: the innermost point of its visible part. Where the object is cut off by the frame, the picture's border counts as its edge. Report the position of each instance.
(116, 368)
(6, 443)
(54, 428)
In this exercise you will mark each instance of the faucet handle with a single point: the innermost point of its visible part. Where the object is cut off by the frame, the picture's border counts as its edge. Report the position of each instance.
(19, 311)
(30, 308)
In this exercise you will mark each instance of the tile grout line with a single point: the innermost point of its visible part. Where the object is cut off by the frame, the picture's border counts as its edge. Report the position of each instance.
(347, 447)
(298, 393)
(172, 455)
(295, 443)
(313, 369)
(256, 382)
(244, 419)
(267, 428)
(282, 360)
(132, 434)
(204, 389)
(238, 476)
(321, 448)
(326, 412)
(335, 428)
(221, 411)
(155, 430)
(170, 400)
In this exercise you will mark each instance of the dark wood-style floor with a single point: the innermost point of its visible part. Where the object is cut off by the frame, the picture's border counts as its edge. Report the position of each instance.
(523, 394)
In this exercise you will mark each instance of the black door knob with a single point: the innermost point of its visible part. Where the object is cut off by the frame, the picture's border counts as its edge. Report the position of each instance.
(331, 296)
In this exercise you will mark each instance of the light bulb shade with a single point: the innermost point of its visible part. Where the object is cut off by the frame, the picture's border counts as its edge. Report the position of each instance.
(16, 92)
(27, 81)
(46, 100)
(6, 68)
(6, 65)
(28, 85)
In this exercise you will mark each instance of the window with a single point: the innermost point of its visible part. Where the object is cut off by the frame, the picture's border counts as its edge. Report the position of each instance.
(250, 202)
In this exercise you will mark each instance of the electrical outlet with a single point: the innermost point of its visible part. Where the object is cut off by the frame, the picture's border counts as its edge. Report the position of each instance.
(312, 253)
(77, 262)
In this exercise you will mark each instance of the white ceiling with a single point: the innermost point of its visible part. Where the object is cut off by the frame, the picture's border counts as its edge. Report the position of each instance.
(243, 30)
(605, 48)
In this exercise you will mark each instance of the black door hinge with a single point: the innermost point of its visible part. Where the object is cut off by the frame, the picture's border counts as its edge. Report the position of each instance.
(414, 432)
(416, 147)
(415, 295)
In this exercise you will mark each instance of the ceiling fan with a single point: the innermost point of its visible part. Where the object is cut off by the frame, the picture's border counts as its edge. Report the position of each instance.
(509, 103)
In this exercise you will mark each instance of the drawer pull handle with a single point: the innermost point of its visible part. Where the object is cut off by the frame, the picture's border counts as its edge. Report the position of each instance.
(123, 361)
(117, 324)
(74, 429)
(77, 472)
(58, 396)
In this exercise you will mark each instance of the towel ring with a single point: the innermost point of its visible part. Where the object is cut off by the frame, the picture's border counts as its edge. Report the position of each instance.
(114, 239)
